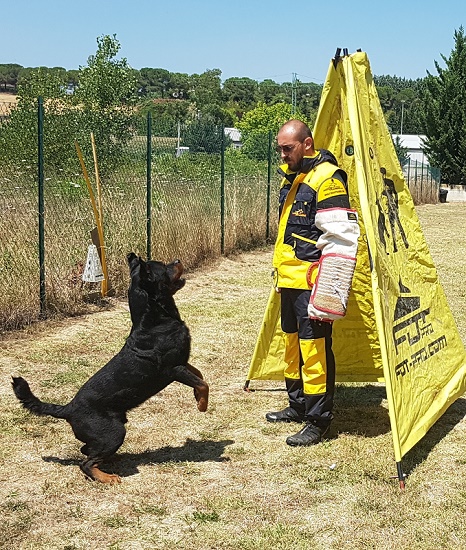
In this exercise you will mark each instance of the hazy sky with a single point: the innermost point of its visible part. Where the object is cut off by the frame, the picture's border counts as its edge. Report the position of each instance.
(256, 39)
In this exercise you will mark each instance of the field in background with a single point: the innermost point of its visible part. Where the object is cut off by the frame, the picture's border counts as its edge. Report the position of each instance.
(7, 98)
(226, 479)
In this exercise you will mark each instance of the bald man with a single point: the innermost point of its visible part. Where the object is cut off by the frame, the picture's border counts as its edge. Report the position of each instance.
(316, 223)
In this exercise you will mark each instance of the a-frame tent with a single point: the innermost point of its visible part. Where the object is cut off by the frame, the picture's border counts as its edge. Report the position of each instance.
(398, 328)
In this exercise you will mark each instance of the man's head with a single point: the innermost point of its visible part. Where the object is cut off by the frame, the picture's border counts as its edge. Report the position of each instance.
(295, 142)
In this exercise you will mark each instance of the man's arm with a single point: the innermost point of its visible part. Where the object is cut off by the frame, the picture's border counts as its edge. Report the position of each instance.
(338, 244)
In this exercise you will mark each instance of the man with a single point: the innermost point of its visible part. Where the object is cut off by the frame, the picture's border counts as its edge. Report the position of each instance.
(316, 223)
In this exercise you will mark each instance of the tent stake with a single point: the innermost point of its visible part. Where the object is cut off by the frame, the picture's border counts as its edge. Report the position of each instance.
(246, 386)
(401, 475)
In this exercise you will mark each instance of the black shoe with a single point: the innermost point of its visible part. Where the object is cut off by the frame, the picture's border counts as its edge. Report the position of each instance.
(309, 435)
(286, 415)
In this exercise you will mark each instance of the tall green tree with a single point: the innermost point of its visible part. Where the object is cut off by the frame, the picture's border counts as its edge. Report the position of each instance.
(206, 91)
(153, 82)
(444, 114)
(102, 103)
(257, 123)
(105, 96)
(270, 92)
(308, 99)
(18, 135)
(401, 103)
(240, 91)
(106, 82)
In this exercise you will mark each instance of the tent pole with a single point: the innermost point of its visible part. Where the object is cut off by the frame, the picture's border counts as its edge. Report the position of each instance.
(401, 475)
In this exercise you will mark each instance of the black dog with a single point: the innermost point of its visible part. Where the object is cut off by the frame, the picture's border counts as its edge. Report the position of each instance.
(155, 354)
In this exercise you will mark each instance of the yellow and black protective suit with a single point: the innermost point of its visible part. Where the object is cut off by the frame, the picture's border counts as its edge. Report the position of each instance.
(310, 363)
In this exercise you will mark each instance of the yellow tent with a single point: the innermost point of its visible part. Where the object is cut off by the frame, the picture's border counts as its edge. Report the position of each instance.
(398, 328)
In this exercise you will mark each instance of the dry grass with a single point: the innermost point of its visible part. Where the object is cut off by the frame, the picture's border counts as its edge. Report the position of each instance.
(226, 479)
(185, 224)
(7, 98)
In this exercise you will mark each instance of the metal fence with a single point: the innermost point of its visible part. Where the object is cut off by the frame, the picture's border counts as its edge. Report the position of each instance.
(423, 181)
(175, 195)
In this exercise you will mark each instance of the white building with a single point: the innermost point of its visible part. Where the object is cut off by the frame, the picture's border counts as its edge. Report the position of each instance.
(414, 145)
(235, 135)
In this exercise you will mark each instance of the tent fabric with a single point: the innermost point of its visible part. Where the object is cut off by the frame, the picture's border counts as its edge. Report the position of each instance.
(398, 327)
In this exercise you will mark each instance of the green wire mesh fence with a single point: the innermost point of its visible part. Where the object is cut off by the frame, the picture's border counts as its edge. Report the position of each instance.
(183, 192)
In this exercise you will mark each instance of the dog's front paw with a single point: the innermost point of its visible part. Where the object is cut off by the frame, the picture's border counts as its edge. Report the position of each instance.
(201, 393)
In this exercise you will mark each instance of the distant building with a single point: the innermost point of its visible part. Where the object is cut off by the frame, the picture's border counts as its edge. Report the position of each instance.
(414, 145)
(235, 135)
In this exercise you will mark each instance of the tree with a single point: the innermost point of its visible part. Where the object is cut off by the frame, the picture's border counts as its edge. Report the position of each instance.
(166, 114)
(204, 136)
(44, 82)
(102, 104)
(308, 99)
(105, 96)
(106, 82)
(179, 86)
(401, 98)
(240, 91)
(401, 152)
(18, 136)
(9, 74)
(270, 92)
(153, 82)
(444, 114)
(256, 125)
(206, 90)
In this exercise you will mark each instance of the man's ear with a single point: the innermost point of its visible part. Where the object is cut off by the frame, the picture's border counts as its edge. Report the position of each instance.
(309, 144)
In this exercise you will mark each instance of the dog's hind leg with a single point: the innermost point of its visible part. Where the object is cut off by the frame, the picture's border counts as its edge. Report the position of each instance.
(195, 371)
(190, 376)
(100, 445)
(91, 470)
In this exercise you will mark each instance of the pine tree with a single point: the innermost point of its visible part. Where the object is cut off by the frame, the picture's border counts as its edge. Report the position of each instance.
(444, 116)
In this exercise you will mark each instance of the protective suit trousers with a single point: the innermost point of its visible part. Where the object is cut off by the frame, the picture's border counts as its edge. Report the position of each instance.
(310, 363)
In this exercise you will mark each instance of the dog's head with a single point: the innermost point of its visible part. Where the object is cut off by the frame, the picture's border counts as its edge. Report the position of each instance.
(160, 277)
(155, 277)
(133, 263)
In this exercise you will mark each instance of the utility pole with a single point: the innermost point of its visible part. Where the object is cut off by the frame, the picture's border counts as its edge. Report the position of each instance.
(402, 115)
(293, 93)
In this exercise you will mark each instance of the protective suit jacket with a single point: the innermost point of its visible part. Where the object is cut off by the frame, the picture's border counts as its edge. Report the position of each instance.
(317, 193)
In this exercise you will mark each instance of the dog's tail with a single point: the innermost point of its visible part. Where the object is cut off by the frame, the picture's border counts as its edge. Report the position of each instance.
(33, 404)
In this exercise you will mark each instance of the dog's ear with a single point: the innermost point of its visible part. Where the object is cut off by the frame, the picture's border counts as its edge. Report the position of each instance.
(145, 271)
(131, 257)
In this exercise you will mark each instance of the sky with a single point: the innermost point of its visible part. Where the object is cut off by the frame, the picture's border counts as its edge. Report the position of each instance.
(257, 39)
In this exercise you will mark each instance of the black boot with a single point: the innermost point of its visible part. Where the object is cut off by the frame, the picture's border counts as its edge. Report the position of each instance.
(286, 415)
(309, 435)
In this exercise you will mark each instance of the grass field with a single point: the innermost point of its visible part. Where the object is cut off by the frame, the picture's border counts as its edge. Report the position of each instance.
(226, 479)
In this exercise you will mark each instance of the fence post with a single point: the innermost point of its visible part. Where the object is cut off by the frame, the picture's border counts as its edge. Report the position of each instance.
(40, 180)
(409, 179)
(422, 177)
(222, 191)
(149, 187)
(269, 166)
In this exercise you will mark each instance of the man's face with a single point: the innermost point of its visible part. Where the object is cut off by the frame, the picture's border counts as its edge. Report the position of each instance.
(293, 151)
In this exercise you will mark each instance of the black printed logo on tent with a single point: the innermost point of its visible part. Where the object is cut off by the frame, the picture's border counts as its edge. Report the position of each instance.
(410, 325)
(387, 206)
